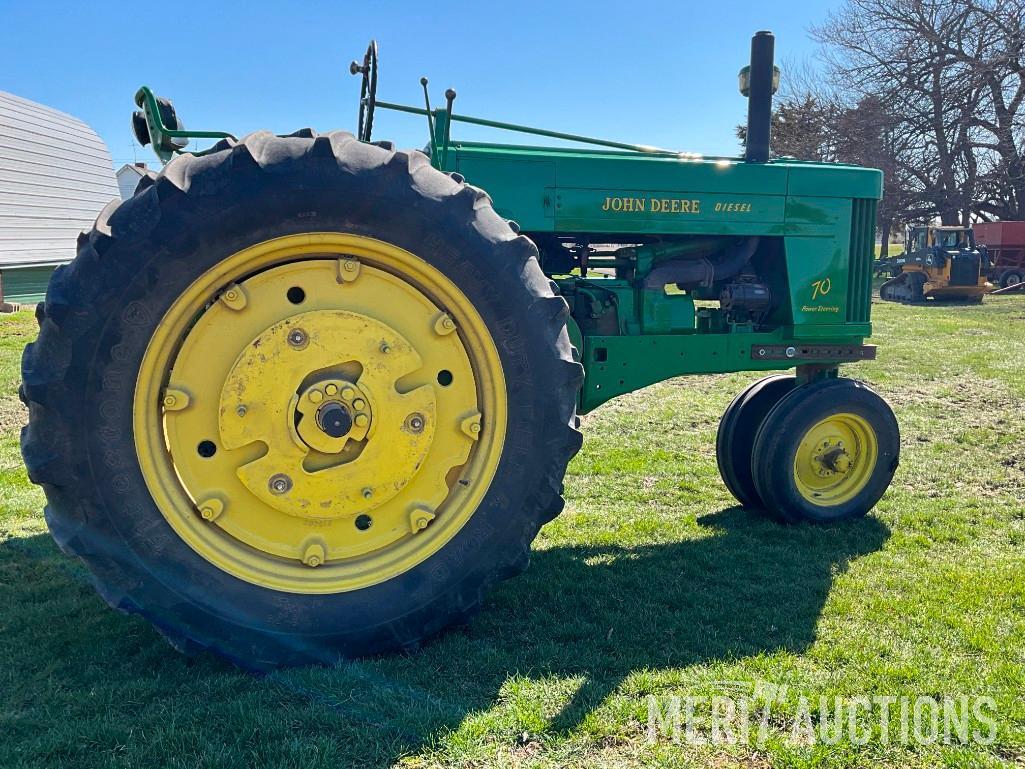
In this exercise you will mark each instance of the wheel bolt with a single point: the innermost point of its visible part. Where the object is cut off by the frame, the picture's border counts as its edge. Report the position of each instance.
(241, 411)
(416, 423)
(368, 493)
(385, 348)
(280, 483)
(211, 509)
(297, 338)
(314, 555)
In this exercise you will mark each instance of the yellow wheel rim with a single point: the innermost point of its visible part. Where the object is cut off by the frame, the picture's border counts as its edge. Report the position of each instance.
(320, 413)
(835, 459)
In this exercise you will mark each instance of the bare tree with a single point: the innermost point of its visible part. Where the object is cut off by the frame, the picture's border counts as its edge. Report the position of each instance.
(949, 74)
(870, 134)
(930, 91)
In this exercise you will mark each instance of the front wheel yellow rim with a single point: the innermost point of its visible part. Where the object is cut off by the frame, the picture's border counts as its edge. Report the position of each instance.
(835, 459)
(320, 413)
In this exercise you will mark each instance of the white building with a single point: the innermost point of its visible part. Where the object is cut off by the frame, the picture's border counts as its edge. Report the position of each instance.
(128, 177)
(56, 175)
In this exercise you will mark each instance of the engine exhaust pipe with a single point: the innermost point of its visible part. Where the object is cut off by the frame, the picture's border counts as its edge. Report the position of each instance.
(758, 82)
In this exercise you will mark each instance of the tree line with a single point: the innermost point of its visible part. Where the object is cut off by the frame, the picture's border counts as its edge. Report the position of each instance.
(932, 92)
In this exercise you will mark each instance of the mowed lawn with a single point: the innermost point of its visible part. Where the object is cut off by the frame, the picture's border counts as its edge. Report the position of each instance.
(651, 582)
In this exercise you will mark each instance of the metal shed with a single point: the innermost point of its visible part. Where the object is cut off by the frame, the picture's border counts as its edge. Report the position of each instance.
(56, 175)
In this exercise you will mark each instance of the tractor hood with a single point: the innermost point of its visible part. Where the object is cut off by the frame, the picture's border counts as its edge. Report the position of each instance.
(554, 189)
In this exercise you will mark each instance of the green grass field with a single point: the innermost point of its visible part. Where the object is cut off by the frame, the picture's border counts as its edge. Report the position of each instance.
(651, 582)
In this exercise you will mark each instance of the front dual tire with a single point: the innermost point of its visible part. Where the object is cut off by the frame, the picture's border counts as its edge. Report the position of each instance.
(822, 451)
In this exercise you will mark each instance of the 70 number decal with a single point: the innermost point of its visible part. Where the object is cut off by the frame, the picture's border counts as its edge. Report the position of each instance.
(821, 288)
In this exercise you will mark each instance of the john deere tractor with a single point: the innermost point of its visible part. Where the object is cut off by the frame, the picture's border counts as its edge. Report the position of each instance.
(938, 263)
(306, 397)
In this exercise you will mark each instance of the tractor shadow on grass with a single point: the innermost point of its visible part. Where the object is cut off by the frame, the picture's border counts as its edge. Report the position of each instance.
(743, 586)
(603, 612)
(749, 587)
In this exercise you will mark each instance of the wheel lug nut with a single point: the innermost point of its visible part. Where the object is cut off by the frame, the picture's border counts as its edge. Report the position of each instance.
(315, 396)
(175, 400)
(279, 484)
(314, 555)
(348, 393)
(419, 519)
(331, 389)
(361, 420)
(210, 509)
(359, 403)
(443, 324)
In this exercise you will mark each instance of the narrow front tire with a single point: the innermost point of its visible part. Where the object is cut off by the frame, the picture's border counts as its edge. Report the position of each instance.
(826, 452)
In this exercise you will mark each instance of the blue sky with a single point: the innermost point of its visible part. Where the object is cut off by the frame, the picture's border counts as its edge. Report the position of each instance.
(651, 72)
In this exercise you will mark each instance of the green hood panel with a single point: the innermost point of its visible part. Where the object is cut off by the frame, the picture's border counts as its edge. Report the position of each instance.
(554, 190)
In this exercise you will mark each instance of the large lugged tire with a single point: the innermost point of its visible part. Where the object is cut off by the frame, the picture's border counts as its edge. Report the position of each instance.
(300, 399)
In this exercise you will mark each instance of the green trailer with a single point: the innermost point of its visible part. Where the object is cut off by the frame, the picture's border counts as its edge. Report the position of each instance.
(306, 397)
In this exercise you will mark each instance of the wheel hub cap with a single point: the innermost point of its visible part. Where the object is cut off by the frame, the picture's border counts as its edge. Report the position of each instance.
(334, 419)
(835, 459)
(360, 469)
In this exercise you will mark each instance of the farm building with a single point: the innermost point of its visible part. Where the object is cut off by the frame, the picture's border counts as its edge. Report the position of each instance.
(56, 175)
(128, 177)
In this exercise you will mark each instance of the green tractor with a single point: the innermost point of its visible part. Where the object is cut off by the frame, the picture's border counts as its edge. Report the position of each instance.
(308, 397)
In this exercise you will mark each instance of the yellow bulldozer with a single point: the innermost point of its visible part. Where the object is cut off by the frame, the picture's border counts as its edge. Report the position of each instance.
(938, 263)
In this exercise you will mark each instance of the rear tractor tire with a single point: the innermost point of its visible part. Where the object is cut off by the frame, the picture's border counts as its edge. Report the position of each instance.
(301, 399)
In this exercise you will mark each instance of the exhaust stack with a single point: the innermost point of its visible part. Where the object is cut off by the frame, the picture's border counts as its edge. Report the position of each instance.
(758, 82)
